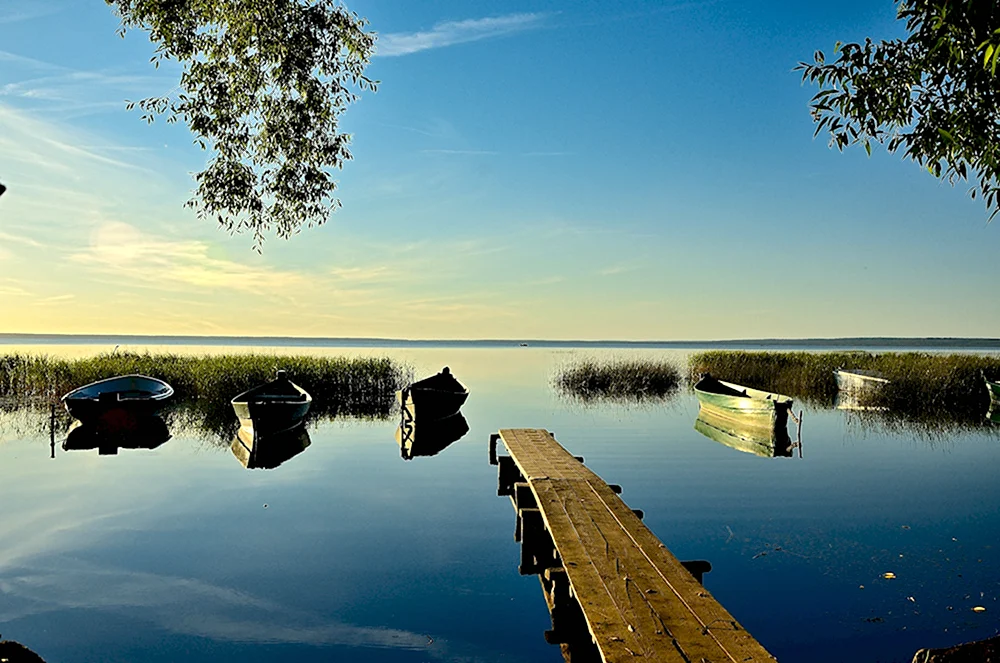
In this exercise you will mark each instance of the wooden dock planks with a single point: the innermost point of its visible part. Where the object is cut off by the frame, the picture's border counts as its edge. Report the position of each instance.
(638, 600)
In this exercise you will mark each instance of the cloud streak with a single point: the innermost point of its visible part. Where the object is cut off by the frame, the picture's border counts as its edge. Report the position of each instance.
(450, 33)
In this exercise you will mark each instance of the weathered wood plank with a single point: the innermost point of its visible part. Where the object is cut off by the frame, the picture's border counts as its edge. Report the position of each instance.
(638, 600)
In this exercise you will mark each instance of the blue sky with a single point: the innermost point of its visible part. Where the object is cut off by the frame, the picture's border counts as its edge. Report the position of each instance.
(589, 170)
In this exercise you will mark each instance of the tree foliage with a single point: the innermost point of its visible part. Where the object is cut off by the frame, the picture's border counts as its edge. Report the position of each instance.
(262, 87)
(934, 94)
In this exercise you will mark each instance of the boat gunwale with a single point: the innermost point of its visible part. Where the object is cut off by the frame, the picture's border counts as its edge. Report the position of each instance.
(863, 375)
(749, 393)
(303, 396)
(77, 394)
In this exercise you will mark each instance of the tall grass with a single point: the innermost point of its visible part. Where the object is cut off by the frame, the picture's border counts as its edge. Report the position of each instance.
(922, 386)
(204, 385)
(618, 380)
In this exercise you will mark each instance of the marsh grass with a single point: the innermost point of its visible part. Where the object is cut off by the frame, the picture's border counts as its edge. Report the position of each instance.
(935, 391)
(358, 387)
(618, 380)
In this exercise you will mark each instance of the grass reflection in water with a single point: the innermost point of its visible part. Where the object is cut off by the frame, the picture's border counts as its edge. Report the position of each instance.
(353, 387)
(618, 381)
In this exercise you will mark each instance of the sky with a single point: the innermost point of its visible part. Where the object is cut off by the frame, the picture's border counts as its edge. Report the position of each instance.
(558, 170)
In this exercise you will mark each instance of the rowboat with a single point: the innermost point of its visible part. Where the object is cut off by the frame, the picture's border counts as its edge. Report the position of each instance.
(771, 443)
(742, 406)
(859, 381)
(994, 389)
(138, 395)
(108, 434)
(436, 397)
(273, 407)
(429, 438)
(266, 452)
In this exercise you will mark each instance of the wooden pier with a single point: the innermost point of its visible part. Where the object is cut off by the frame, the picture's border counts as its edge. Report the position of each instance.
(603, 571)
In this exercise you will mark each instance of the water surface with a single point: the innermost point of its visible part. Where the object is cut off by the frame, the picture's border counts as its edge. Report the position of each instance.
(348, 552)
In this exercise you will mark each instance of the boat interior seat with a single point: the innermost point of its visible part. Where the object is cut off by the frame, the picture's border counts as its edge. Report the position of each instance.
(257, 398)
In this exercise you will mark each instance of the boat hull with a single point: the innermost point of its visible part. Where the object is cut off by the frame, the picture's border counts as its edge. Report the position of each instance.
(272, 408)
(994, 389)
(431, 404)
(858, 382)
(742, 407)
(135, 395)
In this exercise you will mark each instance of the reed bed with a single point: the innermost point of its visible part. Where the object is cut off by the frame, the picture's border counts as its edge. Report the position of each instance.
(923, 387)
(203, 385)
(619, 380)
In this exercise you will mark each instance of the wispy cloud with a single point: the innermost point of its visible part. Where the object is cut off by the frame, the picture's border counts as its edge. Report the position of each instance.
(617, 269)
(457, 32)
(24, 61)
(31, 11)
(128, 253)
(441, 151)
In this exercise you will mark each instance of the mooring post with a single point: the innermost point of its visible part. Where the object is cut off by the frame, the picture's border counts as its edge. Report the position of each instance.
(494, 438)
(798, 433)
(52, 430)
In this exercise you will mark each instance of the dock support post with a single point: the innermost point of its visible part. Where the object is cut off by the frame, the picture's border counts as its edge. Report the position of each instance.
(494, 438)
(507, 476)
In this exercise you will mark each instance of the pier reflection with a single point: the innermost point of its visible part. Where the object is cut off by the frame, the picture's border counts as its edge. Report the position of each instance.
(266, 452)
(111, 433)
(773, 443)
(429, 438)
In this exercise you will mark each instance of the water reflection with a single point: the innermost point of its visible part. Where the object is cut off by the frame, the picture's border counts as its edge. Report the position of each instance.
(930, 424)
(266, 452)
(993, 415)
(429, 438)
(117, 430)
(769, 443)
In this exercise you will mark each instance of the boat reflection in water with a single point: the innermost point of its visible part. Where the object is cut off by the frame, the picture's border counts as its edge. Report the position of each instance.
(257, 451)
(117, 429)
(429, 438)
(993, 414)
(853, 400)
(767, 442)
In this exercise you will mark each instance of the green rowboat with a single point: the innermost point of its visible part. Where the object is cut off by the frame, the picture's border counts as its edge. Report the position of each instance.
(746, 408)
(994, 389)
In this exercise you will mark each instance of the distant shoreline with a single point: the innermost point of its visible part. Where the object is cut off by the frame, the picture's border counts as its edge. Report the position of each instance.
(926, 343)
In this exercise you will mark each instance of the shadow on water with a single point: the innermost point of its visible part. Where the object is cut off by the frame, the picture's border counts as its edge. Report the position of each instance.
(266, 452)
(117, 431)
(775, 443)
(429, 438)
(210, 420)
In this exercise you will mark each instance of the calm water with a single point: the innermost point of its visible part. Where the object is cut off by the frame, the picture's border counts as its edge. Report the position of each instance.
(348, 552)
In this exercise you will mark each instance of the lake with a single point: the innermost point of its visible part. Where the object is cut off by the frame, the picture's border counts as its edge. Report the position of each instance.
(347, 551)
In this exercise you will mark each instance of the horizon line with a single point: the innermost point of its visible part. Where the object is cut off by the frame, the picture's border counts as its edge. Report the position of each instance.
(972, 341)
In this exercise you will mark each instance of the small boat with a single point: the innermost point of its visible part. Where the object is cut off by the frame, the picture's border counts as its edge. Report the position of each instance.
(139, 395)
(773, 443)
(274, 407)
(429, 438)
(108, 434)
(743, 406)
(436, 397)
(858, 381)
(266, 452)
(994, 389)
